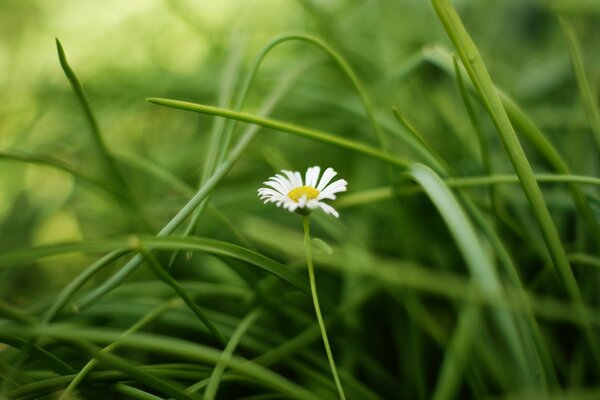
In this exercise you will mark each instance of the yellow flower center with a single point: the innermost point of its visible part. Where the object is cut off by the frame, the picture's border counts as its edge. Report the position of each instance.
(296, 193)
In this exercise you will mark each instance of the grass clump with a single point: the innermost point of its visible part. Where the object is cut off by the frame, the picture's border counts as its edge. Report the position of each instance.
(136, 260)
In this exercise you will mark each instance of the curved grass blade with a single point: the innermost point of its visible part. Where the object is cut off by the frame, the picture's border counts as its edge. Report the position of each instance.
(210, 246)
(484, 277)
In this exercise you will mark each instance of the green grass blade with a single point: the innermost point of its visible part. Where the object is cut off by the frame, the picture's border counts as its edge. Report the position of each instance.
(284, 127)
(589, 103)
(483, 274)
(164, 275)
(161, 345)
(85, 371)
(210, 246)
(477, 71)
(105, 155)
(213, 384)
(443, 59)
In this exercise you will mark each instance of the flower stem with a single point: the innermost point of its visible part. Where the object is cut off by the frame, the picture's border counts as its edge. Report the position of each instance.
(313, 290)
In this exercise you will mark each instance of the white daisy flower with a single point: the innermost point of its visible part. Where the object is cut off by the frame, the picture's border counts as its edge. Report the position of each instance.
(290, 193)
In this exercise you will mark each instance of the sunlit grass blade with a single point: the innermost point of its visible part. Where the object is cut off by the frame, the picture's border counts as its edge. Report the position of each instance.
(284, 127)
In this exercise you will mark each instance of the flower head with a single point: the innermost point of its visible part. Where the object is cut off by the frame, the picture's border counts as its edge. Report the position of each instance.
(292, 194)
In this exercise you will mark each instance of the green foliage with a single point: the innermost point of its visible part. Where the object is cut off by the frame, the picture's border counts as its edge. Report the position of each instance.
(136, 260)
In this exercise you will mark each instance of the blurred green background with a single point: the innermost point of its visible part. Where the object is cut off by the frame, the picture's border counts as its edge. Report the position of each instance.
(200, 51)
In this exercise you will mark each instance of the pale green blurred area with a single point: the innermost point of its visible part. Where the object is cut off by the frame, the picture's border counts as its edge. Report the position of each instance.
(122, 53)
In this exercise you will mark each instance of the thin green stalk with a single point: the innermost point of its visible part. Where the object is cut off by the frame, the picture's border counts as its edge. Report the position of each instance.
(589, 103)
(313, 290)
(164, 275)
(215, 378)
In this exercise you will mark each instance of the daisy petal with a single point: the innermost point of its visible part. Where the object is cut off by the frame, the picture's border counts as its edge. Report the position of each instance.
(287, 191)
(298, 178)
(312, 175)
(327, 176)
(330, 191)
(292, 177)
(328, 209)
(277, 186)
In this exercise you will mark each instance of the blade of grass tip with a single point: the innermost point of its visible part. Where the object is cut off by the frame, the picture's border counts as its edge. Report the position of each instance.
(139, 325)
(285, 127)
(479, 75)
(108, 160)
(215, 378)
(480, 266)
(584, 87)
(442, 59)
(69, 291)
(164, 275)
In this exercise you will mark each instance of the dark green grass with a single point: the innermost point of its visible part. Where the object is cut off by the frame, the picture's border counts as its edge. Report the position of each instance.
(137, 262)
